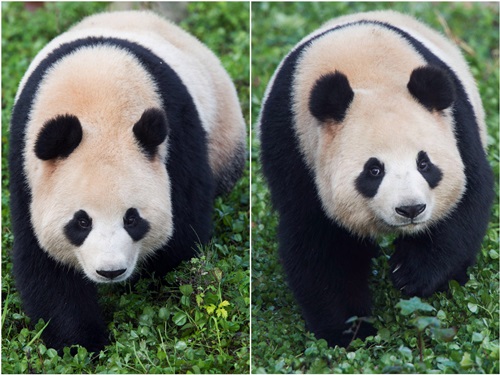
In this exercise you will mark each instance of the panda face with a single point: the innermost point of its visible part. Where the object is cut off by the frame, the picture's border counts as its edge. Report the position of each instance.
(388, 165)
(374, 123)
(104, 218)
(98, 206)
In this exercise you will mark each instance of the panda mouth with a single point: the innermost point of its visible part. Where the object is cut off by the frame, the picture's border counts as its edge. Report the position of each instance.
(411, 226)
(411, 223)
(407, 225)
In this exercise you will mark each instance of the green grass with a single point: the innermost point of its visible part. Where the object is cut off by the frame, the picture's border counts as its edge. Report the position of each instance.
(198, 322)
(413, 336)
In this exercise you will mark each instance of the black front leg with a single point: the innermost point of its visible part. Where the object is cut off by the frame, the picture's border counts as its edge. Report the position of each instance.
(59, 295)
(327, 270)
(423, 265)
(418, 268)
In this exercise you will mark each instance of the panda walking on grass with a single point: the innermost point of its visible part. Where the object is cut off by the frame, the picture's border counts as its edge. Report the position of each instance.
(123, 131)
(371, 125)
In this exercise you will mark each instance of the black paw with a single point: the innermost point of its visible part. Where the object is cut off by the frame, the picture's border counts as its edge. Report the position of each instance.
(413, 270)
(360, 329)
(94, 338)
(92, 347)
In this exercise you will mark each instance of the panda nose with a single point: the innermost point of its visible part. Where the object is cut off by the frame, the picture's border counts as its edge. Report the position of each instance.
(111, 274)
(411, 212)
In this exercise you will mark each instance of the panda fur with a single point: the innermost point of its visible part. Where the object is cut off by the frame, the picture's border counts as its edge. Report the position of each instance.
(373, 125)
(124, 130)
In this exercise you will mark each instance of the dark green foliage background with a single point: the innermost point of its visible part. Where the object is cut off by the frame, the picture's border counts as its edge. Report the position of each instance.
(180, 327)
(280, 343)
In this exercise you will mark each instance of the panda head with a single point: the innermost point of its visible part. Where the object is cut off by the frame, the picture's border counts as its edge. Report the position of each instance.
(101, 201)
(387, 159)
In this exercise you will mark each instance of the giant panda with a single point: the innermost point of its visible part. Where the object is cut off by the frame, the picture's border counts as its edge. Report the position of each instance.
(124, 130)
(373, 125)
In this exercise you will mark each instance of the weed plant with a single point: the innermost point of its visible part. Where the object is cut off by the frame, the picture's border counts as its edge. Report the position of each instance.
(450, 332)
(196, 322)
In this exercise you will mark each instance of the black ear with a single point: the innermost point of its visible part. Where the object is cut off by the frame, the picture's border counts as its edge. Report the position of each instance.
(58, 137)
(432, 87)
(330, 97)
(151, 130)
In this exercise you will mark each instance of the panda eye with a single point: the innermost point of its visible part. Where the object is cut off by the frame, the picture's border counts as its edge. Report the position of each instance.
(130, 220)
(84, 223)
(136, 226)
(375, 171)
(423, 162)
(423, 165)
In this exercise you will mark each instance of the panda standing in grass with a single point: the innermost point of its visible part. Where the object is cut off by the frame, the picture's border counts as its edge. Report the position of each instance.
(124, 130)
(373, 125)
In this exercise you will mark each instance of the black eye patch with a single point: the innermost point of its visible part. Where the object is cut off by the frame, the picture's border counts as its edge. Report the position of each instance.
(370, 178)
(135, 225)
(78, 228)
(428, 170)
